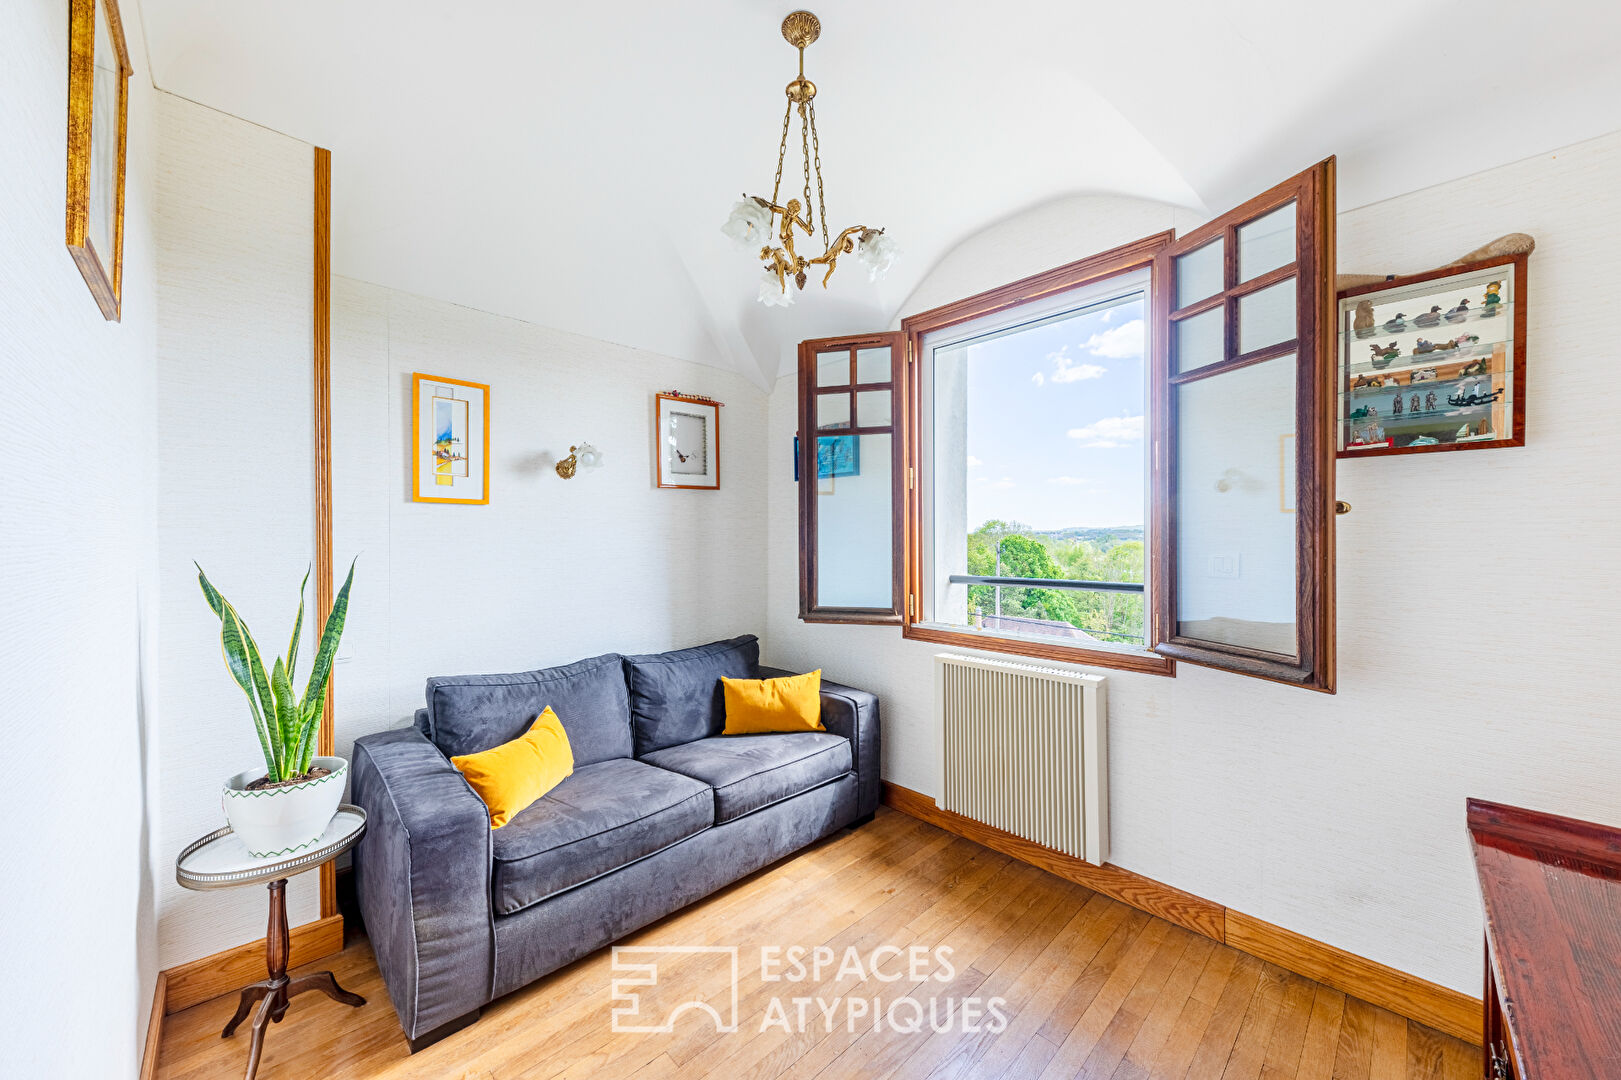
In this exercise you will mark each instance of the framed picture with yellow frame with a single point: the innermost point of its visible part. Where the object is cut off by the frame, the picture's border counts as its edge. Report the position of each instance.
(450, 440)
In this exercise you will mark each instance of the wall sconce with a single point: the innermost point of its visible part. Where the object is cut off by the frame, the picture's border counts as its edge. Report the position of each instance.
(584, 456)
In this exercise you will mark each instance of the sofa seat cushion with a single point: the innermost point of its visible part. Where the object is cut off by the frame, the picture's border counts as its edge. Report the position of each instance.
(753, 771)
(603, 817)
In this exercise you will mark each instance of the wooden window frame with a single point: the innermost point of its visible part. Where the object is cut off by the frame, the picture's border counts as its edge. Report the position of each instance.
(1312, 192)
(810, 610)
(1142, 254)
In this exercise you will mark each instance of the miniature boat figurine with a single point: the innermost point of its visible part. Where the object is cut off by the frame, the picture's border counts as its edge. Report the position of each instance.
(1396, 325)
(1429, 318)
(1459, 313)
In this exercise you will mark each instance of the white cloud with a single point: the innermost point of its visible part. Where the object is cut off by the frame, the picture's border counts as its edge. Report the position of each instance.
(972, 461)
(1109, 432)
(1004, 483)
(1118, 342)
(1067, 481)
(1066, 370)
(1038, 378)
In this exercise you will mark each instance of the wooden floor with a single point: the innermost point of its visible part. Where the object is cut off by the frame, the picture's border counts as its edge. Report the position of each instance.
(1091, 988)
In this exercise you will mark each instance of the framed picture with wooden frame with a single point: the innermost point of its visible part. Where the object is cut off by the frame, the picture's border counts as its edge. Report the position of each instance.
(98, 126)
(1435, 361)
(450, 440)
(686, 438)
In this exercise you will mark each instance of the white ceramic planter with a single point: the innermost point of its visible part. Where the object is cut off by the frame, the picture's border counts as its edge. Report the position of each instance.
(275, 822)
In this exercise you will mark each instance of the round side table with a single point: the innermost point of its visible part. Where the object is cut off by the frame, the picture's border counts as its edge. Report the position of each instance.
(219, 861)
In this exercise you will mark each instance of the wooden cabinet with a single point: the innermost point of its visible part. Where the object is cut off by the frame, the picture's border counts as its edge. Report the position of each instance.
(1551, 887)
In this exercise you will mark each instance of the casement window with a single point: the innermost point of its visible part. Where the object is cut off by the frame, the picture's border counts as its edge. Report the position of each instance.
(851, 490)
(1124, 462)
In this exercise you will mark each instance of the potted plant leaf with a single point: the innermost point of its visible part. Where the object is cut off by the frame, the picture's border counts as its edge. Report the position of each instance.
(286, 806)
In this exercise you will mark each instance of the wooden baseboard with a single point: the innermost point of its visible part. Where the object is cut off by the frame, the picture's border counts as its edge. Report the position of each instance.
(154, 1027)
(211, 976)
(1406, 995)
(1173, 905)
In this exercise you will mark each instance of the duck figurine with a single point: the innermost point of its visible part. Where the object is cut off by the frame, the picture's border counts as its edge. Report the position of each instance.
(1431, 317)
(1459, 313)
(1397, 324)
(1488, 306)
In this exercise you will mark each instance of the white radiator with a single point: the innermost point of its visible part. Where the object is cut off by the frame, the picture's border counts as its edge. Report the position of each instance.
(1025, 749)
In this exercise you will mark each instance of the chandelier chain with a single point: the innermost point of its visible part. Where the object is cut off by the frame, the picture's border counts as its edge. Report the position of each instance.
(804, 138)
(821, 195)
(782, 152)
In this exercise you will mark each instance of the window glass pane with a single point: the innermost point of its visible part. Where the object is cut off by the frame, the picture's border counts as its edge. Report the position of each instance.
(1200, 340)
(854, 550)
(1199, 273)
(872, 366)
(1266, 317)
(1036, 469)
(1235, 507)
(1266, 243)
(832, 411)
(833, 368)
(873, 408)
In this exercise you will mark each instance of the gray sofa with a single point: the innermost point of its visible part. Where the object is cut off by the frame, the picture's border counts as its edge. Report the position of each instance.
(661, 810)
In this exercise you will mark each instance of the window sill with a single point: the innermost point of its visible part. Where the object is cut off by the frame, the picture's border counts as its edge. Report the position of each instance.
(1123, 658)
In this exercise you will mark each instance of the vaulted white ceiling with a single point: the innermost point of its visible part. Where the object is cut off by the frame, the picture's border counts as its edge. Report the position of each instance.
(570, 164)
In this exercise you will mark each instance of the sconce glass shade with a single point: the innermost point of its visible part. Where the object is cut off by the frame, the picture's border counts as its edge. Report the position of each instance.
(589, 456)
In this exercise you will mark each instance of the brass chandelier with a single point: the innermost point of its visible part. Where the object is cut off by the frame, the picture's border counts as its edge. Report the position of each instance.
(756, 221)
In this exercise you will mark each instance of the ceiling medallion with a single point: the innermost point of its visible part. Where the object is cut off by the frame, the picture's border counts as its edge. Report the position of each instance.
(757, 221)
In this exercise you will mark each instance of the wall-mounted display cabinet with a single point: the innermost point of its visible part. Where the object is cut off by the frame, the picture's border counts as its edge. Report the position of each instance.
(1434, 361)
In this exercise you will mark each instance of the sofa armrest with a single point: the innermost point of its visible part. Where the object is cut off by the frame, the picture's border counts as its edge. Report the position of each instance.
(854, 714)
(422, 874)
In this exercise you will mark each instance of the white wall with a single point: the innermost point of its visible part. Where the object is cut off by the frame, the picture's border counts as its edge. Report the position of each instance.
(551, 570)
(234, 212)
(1342, 817)
(77, 578)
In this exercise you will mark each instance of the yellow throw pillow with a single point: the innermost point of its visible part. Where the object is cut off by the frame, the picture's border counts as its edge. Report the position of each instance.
(791, 703)
(511, 776)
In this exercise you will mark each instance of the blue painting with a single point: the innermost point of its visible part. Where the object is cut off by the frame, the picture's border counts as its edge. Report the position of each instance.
(836, 455)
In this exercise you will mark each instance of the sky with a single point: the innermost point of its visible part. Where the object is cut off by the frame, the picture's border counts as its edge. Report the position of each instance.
(1055, 423)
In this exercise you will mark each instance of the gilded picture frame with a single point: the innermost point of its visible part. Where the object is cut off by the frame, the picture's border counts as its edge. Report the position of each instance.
(450, 440)
(97, 144)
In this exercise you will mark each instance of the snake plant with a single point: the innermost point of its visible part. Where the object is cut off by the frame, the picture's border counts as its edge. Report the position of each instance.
(286, 724)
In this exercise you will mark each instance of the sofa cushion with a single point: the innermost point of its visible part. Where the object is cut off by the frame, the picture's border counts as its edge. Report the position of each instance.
(676, 697)
(753, 771)
(603, 817)
(471, 713)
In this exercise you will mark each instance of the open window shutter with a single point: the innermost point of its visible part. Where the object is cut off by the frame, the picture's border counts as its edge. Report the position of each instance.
(1244, 456)
(851, 493)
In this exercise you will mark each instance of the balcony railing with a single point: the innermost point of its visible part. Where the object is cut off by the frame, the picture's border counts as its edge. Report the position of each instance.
(1048, 583)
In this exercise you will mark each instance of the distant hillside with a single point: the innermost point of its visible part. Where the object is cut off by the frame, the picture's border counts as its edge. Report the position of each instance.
(1114, 534)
